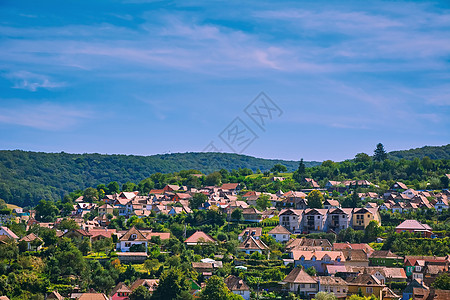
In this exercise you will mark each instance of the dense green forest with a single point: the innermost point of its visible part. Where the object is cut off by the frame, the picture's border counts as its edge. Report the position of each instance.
(27, 177)
(433, 152)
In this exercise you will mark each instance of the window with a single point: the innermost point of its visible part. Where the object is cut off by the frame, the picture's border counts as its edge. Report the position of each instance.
(302, 286)
(127, 244)
(369, 290)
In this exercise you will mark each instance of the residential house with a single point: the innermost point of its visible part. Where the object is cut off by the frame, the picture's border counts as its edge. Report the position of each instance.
(317, 259)
(132, 237)
(338, 218)
(347, 245)
(314, 220)
(442, 203)
(308, 244)
(432, 270)
(334, 285)
(410, 193)
(312, 183)
(182, 196)
(93, 296)
(120, 292)
(384, 274)
(34, 243)
(99, 234)
(199, 238)
(414, 226)
(291, 219)
(363, 216)
(52, 295)
(121, 206)
(204, 268)
(77, 234)
(430, 294)
(280, 234)
(8, 232)
(171, 188)
(412, 288)
(298, 281)
(105, 209)
(330, 185)
(232, 188)
(149, 284)
(330, 203)
(294, 199)
(251, 245)
(398, 207)
(175, 210)
(399, 186)
(366, 284)
(161, 235)
(355, 257)
(385, 258)
(238, 286)
(251, 214)
(255, 232)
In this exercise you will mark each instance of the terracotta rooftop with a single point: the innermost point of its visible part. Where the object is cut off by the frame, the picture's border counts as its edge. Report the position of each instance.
(235, 283)
(199, 236)
(298, 275)
(279, 230)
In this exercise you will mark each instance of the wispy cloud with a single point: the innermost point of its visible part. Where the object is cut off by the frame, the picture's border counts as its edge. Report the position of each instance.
(32, 82)
(44, 116)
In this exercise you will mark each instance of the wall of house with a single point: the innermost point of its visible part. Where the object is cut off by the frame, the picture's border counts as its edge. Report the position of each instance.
(124, 246)
(243, 294)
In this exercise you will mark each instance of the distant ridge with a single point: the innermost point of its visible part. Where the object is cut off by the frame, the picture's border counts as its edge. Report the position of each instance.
(433, 152)
(27, 177)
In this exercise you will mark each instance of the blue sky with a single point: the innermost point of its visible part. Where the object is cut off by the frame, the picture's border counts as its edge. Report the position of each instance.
(148, 77)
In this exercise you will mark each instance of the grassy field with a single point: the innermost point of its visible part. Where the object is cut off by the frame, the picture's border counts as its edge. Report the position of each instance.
(12, 206)
(285, 175)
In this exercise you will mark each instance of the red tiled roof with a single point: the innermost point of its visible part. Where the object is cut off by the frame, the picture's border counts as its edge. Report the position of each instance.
(199, 237)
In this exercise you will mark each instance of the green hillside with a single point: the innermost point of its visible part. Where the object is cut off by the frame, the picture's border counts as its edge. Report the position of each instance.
(433, 152)
(27, 177)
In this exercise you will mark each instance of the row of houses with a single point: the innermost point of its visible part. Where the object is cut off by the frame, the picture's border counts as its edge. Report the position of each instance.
(331, 219)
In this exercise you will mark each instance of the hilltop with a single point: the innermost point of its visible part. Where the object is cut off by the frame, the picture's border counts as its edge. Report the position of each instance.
(28, 177)
(433, 152)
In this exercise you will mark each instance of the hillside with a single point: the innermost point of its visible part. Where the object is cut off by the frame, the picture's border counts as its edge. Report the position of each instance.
(433, 152)
(27, 177)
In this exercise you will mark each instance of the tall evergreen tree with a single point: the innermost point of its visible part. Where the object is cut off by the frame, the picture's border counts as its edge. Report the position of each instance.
(300, 172)
(379, 153)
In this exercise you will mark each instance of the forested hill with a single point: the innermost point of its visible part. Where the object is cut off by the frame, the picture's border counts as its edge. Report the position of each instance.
(27, 177)
(433, 152)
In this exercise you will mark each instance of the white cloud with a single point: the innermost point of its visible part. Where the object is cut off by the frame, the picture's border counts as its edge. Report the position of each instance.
(32, 82)
(44, 116)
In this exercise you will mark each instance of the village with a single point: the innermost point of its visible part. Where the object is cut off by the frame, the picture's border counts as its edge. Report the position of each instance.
(287, 243)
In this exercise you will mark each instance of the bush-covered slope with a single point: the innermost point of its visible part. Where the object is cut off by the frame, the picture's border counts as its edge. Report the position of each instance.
(433, 152)
(27, 177)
